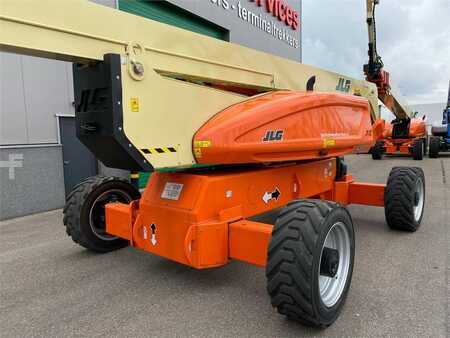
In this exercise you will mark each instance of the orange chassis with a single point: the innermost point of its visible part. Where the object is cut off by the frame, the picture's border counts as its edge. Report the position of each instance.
(395, 146)
(206, 218)
(401, 145)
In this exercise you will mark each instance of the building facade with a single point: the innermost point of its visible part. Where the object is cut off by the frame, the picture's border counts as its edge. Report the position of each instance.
(40, 157)
(431, 111)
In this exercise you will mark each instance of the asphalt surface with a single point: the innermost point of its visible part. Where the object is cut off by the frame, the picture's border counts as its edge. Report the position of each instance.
(52, 287)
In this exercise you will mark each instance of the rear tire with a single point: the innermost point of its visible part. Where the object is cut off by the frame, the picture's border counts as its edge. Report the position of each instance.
(378, 150)
(435, 144)
(404, 198)
(425, 146)
(296, 282)
(84, 214)
(418, 150)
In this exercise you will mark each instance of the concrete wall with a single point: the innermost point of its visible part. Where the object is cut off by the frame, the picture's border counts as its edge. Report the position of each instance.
(36, 182)
(33, 91)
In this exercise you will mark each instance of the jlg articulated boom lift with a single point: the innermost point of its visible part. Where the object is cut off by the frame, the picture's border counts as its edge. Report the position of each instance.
(404, 135)
(245, 133)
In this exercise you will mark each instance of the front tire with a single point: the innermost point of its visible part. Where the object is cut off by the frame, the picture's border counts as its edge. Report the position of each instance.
(418, 149)
(84, 212)
(435, 144)
(378, 150)
(425, 145)
(404, 198)
(310, 261)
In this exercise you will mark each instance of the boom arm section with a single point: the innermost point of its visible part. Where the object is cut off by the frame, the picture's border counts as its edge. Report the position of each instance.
(147, 87)
(375, 72)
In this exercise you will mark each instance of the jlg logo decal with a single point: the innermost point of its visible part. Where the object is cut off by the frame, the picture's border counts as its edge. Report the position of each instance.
(343, 85)
(273, 135)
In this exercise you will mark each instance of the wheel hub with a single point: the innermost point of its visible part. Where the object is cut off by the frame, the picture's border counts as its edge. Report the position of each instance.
(334, 264)
(419, 200)
(416, 199)
(97, 217)
(330, 262)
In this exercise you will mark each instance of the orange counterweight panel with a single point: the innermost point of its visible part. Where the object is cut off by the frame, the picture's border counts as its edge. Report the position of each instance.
(387, 132)
(286, 126)
(402, 146)
(201, 219)
(379, 129)
(186, 216)
(417, 128)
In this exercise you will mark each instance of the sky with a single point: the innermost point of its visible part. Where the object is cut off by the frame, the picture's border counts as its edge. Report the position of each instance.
(413, 40)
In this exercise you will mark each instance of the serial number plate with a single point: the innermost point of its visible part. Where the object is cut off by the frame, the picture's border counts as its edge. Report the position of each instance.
(172, 191)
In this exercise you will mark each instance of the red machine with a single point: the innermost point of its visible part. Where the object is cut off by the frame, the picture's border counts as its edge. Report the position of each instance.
(405, 135)
(402, 136)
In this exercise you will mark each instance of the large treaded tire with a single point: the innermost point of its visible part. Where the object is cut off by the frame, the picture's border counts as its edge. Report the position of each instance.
(425, 145)
(378, 150)
(294, 256)
(77, 217)
(400, 198)
(435, 144)
(418, 149)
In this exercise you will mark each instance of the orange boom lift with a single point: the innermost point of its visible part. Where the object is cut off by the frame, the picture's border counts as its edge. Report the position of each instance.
(253, 155)
(404, 135)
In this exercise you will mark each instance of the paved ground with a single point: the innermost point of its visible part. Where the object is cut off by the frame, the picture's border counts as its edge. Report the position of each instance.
(52, 287)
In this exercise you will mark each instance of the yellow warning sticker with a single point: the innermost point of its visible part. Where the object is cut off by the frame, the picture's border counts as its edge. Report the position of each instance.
(202, 144)
(134, 103)
(198, 152)
(329, 143)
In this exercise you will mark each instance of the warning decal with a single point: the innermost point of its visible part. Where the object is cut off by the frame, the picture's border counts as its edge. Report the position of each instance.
(172, 191)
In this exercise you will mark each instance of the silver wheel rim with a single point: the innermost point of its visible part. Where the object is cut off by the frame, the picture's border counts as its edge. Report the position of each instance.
(418, 209)
(332, 288)
(97, 220)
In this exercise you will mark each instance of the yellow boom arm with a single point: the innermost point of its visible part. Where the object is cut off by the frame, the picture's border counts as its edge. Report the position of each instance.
(375, 73)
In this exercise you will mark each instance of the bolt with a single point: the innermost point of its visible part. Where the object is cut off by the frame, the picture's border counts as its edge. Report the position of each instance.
(118, 77)
(138, 68)
(120, 128)
(118, 102)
